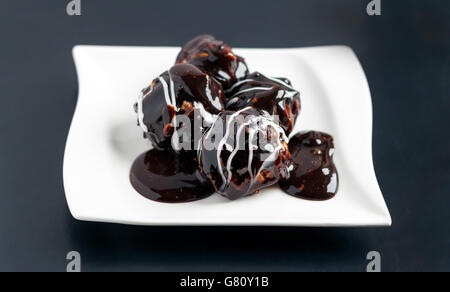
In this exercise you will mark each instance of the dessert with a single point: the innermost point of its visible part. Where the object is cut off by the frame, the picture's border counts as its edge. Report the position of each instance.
(273, 95)
(214, 57)
(184, 90)
(215, 127)
(314, 175)
(250, 154)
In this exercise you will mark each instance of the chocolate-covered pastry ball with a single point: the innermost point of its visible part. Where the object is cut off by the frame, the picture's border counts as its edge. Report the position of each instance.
(170, 177)
(314, 175)
(215, 57)
(243, 152)
(183, 90)
(276, 96)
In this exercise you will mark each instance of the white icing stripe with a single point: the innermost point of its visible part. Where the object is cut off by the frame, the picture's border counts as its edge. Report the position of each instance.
(170, 98)
(281, 136)
(172, 93)
(279, 81)
(256, 123)
(140, 109)
(140, 106)
(140, 113)
(251, 89)
(250, 157)
(223, 141)
(207, 116)
(214, 101)
(166, 91)
(239, 83)
(236, 149)
(212, 125)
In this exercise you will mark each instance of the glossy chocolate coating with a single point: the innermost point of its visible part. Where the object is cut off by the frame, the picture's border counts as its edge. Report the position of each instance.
(169, 177)
(314, 175)
(182, 90)
(276, 96)
(243, 120)
(249, 153)
(215, 57)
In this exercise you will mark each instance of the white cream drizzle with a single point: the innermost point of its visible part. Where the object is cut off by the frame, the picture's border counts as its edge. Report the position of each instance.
(250, 157)
(224, 75)
(214, 101)
(172, 93)
(140, 109)
(236, 149)
(170, 98)
(252, 89)
(240, 83)
(267, 122)
(207, 116)
(279, 81)
(256, 123)
(274, 153)
(224, 141)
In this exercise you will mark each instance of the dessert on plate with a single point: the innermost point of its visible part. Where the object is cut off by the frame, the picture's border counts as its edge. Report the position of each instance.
(217, 128)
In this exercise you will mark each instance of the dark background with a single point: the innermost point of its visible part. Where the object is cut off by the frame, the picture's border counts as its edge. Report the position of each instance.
(406, 56)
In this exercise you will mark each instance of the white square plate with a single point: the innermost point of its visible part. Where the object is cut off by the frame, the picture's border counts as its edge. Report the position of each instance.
(104, 141)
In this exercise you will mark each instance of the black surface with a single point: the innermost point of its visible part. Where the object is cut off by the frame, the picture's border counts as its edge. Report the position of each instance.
(406, 56)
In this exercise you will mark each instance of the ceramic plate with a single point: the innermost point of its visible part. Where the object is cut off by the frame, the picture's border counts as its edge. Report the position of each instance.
(104, 141)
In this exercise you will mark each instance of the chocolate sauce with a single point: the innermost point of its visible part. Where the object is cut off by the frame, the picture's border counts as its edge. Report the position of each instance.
(194, 86)
(273, 95)
(169, 177)
(178, 91)
(215, 57)
(243, 148)
(251, 153)
(314, 175)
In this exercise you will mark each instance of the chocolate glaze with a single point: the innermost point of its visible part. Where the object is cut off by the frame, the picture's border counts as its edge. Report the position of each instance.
(242, 147)
(273, 95)
(250, 154)
(192, 88)
(314, 175)
(215, 57)
(169, 177)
